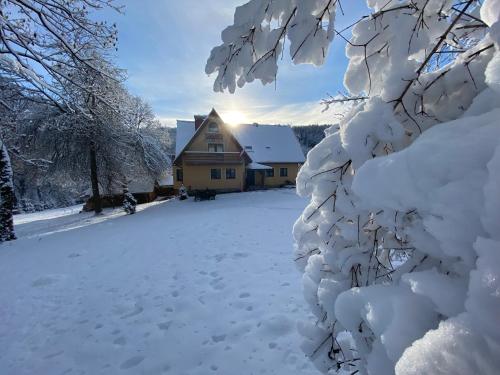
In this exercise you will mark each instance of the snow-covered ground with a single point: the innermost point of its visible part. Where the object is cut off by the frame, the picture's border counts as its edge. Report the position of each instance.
(179, 288)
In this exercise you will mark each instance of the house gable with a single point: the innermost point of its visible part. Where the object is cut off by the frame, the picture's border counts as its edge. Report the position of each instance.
(205, 135)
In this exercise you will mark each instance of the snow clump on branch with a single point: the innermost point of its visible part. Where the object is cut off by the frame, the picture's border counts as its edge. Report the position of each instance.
(400, 243)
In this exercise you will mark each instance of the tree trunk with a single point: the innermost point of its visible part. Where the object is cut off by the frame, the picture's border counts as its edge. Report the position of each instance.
(96, 197)
(7, 196)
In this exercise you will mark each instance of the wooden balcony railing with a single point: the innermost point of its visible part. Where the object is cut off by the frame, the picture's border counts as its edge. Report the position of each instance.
(204, 158)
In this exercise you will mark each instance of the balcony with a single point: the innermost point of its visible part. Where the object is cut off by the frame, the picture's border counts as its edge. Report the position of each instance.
(206, 158)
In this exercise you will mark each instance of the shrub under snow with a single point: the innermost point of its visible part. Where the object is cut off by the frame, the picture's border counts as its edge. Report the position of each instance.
(400, 245)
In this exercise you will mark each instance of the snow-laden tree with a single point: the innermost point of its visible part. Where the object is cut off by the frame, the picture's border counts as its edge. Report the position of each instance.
(125, 152)
(97, 92)
(400, 244)
(40, 41)
(8, 99)
(6, 196)
(106, 138)
(139, 117)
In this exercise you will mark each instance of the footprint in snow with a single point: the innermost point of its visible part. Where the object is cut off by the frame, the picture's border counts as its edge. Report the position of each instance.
(132, 362)
(49, 356)
(120, 341)
(164, 326)
(137, 310)
(43, 281)
(220, 257)
(218, 286)
(240, 255)
(244, 295)
(219, 338)
(217, 283)
(278, 325)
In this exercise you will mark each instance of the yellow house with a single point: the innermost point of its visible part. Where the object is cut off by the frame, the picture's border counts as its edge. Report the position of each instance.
(213, 155)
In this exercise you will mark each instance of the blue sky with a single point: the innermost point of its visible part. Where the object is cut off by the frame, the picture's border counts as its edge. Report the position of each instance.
(164, 45)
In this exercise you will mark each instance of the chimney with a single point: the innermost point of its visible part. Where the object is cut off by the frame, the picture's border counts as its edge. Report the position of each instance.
(198, 119)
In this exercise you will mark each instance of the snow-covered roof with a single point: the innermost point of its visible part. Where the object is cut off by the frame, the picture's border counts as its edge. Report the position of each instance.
(185, 131)
(269, 143)
(144, 185)
(166, 179)
(254, 165)
(262, 143)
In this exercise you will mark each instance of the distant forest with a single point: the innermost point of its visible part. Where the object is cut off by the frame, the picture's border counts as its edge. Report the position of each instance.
(309, 135)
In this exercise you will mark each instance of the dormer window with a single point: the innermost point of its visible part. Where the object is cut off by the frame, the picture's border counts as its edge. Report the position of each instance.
(213, 127)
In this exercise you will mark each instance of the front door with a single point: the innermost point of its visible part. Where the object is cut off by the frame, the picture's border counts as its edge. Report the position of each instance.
(250, 180)
(259, 178)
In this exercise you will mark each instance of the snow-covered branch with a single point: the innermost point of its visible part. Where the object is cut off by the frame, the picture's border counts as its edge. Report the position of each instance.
(400, 223)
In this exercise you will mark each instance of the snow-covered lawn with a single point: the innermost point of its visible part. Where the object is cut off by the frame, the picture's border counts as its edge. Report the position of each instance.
(179, 288)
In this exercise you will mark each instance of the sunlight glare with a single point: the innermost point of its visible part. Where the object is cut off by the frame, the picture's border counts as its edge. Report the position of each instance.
(234, 118)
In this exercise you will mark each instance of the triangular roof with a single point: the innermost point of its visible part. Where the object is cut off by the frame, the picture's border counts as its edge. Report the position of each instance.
(188, 128)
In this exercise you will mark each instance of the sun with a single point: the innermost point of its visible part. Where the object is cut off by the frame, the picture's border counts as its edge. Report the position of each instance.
(234, 118)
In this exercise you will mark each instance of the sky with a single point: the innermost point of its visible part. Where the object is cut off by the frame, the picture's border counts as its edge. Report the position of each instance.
(164, 45)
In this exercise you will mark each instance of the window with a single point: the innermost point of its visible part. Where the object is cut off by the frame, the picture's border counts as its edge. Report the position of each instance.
(270, 172)
(215, 174)
(283, 172)
(180, 175)
(230, 173)
(215, 147)
(249, 148)
(213, 127)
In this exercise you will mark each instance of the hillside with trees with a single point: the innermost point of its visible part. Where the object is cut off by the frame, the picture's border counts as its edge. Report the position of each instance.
(309, 135)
